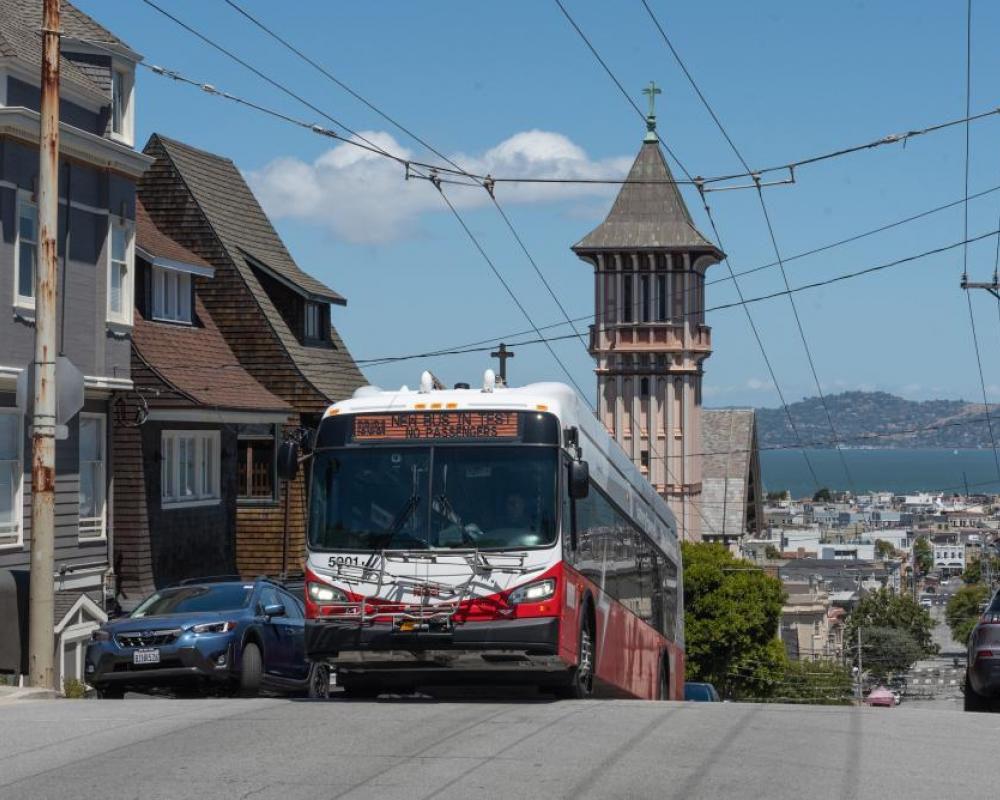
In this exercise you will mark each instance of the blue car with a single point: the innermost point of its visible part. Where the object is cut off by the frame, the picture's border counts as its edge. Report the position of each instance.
(231, 635)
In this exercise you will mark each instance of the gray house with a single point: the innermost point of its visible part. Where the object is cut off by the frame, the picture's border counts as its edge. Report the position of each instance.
(98, 170)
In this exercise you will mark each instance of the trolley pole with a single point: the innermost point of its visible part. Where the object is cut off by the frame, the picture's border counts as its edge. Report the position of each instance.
(43, 440)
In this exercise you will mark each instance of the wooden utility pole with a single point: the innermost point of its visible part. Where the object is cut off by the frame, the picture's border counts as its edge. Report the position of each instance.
(41, 637)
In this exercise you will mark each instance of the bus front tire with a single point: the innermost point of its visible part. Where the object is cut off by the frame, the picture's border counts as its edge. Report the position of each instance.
(581, 681)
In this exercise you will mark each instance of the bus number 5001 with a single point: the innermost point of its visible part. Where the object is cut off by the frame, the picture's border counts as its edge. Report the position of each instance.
(341, 561)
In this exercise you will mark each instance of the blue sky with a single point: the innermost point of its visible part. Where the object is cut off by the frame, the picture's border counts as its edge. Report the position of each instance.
(512, 86)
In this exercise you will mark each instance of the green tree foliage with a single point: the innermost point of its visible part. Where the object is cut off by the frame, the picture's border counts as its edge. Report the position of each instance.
(962, 610)
(777, 497)
(924, 554)
(884, 609)
(822, 496)
(884, 549)
(816, 682)
(772, 552)
(886, 651)
(732, 611)
(974, 571)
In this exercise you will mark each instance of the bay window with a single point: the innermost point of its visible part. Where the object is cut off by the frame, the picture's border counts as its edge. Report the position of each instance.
(120, 259)
(93, 471)
(10, 477)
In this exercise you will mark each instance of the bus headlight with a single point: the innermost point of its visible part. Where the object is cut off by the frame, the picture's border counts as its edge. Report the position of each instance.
(533, 592)
(323, 593)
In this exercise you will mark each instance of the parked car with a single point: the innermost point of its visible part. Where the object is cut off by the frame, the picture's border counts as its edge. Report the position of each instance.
(236, 636)
(982, 671)
(701, 693)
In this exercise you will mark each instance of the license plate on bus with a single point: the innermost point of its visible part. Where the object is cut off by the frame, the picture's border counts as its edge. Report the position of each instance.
(146, 656)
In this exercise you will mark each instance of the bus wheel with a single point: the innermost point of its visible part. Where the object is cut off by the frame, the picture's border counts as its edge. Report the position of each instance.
(581, 682)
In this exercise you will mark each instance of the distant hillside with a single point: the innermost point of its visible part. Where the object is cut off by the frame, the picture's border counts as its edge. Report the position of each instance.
(879, 419)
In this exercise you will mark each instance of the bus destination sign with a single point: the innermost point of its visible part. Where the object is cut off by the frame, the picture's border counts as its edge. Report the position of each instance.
(420, 425)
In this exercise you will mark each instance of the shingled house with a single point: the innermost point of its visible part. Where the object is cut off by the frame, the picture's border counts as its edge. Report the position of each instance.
(273, 316)
(731, 502)
(197, 440)
(98, 168)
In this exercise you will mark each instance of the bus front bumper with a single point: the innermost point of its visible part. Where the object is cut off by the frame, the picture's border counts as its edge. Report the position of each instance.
(533, 640)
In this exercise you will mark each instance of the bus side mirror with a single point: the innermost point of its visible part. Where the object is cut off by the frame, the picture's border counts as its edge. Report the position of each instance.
(288, 460)
(579, 479)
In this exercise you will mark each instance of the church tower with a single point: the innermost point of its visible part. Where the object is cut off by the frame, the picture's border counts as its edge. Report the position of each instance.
(649, 336)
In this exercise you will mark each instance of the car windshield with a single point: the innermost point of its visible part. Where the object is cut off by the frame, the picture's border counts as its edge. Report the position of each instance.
(994, 607)
(434, 497)
(187, 599)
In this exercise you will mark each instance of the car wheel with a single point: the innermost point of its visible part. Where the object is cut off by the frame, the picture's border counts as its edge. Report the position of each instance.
(581, 682)
(252, 671)
(110, 692)
(319, 682)
(973, 701)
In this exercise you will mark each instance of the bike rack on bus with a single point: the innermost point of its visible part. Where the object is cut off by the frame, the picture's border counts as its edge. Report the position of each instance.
(379, 571)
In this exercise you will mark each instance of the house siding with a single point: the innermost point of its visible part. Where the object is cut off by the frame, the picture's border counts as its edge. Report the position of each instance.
(20, 93)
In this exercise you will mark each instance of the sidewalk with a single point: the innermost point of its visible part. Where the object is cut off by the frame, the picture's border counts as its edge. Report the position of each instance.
(11, 694)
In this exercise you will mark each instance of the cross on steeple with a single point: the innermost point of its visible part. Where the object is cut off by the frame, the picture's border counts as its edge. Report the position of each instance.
(651, 91)
(502, 354)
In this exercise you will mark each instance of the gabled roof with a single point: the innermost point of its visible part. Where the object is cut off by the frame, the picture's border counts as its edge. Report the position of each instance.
(243, 229)
(196, 361)
(649, 212)
(156, 243)
(237, 217)
(20, 38)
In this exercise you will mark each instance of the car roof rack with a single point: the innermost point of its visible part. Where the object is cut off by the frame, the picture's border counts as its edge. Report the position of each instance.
(210, 579)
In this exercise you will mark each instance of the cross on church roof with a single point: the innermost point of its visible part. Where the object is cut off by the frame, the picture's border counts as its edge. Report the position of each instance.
(651, 91)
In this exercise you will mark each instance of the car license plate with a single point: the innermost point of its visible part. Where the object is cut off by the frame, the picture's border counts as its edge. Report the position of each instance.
(146, 656)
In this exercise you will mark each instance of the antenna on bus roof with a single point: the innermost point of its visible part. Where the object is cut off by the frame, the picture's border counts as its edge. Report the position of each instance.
(489, 380)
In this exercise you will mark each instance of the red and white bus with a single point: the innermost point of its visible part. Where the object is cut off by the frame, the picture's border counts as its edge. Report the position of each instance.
(493, 535)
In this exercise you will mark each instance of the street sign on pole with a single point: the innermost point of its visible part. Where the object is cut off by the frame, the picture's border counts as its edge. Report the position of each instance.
(69, 390)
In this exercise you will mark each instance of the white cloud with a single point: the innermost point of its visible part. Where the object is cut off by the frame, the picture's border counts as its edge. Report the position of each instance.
(363, 198)
(757, 385)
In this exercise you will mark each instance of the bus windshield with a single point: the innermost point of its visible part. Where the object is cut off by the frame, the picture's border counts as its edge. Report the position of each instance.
(378, 498)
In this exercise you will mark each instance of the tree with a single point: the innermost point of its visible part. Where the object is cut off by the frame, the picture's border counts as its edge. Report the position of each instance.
(924, 555)
(884, 609)
(886, 651)
(962, 611)
(777, 497)
(772, 552)
(822, 496)
(884, 549)
(974, 571)
(732, 611)
(817, 682)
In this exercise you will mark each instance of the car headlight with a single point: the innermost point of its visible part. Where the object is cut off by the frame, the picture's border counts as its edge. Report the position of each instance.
(324, 593)
(533, 592)
(100, 635)
(213, 627)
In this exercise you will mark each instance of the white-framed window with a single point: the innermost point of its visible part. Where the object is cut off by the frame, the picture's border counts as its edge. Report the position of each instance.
(313, 327)
(122, 114)
(25, 251)
(171, 295)
(11, 478)
(93, 476)
(189, 468)
(120, 271)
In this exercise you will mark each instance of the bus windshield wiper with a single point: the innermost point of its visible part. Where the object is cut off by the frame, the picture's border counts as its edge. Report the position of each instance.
(385, 537)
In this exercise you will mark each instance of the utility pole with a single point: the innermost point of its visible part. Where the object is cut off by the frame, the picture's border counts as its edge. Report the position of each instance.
(43, 432)
(860, 668)
(502, 354)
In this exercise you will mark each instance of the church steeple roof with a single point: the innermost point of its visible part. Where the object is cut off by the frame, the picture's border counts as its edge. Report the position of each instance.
(649, 212)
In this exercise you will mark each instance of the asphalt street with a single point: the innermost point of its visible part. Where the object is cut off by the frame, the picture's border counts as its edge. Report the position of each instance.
(157, 749)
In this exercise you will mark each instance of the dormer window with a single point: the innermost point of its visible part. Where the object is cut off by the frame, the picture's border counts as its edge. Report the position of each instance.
(171, 295)
(121, 105)
(313, 322)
